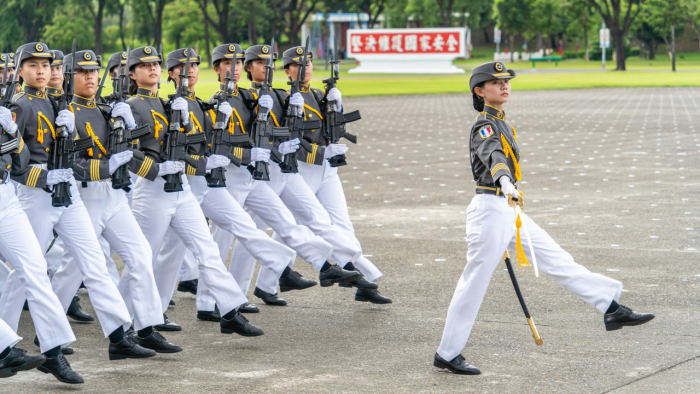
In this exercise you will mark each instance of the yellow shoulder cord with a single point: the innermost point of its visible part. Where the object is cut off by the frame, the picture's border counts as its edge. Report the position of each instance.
(197, 126)
(515, 136)
(158, 127)
(231, 124)
(519, 251)
(40, 131)
(88, 128)
(306, 106)
(509, 152)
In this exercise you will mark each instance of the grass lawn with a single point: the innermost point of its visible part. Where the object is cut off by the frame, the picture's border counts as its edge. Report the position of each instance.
(582, 74)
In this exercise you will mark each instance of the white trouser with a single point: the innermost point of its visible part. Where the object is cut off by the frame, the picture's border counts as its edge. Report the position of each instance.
(189, 269)
(156, 211)
(326, 185)
(4, 273)
(72, 224)
(112, 219)
(221, 208)
(54, 258)
(490, 230)
(28, 279)
(8, 338)
(259, 199)
(308, 211)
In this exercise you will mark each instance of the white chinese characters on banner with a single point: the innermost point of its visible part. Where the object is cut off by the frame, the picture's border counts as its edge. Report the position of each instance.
(420, 50)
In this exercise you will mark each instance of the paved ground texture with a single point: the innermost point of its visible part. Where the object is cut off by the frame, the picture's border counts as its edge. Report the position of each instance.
(612, 174)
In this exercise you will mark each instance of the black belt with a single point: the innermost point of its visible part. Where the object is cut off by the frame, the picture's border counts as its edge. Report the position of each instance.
(485, 188)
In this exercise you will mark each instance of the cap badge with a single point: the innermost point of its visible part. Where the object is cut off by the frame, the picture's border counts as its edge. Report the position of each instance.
(39, 47)
(300, 50)
(265, 49)
(499, 67)
(232, 48)
(147, 50)
(87, 56)
(124, 55)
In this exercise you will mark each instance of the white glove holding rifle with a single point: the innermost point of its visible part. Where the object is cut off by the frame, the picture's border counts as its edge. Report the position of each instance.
(259, 154)
(335, 95)
(288, 147)
(6, 121)
(119, 159)
(170, 167)
(333, 150)
(180, 104)
(225, 108)
(297, 100)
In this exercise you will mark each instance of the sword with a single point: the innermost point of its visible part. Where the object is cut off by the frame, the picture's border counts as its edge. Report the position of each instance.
(530, 322)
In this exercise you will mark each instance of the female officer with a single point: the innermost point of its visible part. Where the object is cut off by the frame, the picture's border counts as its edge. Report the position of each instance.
(491, 227)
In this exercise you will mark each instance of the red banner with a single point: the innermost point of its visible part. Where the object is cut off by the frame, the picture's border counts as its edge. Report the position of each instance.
(404, 43)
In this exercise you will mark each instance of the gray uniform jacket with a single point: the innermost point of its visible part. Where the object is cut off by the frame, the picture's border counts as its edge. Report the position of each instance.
(94, 119)
(35, 113)
(198, 124)
(490, 157)
(243, 104)
(312, 111)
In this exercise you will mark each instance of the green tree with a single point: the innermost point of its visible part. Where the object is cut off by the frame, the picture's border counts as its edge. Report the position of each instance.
(694, 16)
(582, 23)
(618, 16)
(70, 21)
(514, 17)
(25, 20)
(667, 17)
(182, 26)
(149, 17)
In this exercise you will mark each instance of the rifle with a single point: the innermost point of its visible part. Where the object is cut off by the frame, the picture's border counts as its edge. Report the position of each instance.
(334, 121)
(98, 94)
(222, 141)
(263, 133)
(120, 138)
(295, 125)
(7, 94)
(63, 147)
(175, 142)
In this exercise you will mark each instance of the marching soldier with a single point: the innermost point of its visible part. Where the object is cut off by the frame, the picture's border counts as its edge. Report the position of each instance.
(55, 86)
(292, 189)
(108, 208)
(323, 179)
(156, 211)
(34, 111)
(117, 59)
(217, 203)
(493, 226)
(9, 59)
(259, 197)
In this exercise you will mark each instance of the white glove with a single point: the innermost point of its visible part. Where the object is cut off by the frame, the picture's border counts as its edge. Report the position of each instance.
(297, 100)
(288, 147)
(334, 95)
(333, 150)
(259, 154)
(170, 167)
(58, 176)
(124, 110)
(225, 108)
(180, 104)
(266, 102)
(6, 121)
(67, 119)
(118, 159)
(216, 161)
(508, 187)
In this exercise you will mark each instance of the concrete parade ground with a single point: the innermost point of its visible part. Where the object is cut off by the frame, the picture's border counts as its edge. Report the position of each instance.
(612, 174)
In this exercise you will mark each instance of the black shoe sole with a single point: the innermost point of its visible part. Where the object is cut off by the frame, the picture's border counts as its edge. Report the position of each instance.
(331, 282)
(274, 303)
(365, 299)
(286, 289)
(207, 318)
(81, 320)
(165, 351)
(350, 285)
(60, 379)
(67, 351)
(166, 328)
(231, 331)
(249, 310)
(439, 364)
(7, 372)
(113, 357)
(617, 326)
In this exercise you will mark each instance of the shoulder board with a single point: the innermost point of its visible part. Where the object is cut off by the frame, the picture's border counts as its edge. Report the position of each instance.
(17, 96)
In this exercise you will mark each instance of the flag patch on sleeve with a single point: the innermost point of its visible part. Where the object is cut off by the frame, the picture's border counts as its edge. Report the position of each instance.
(486, 132)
